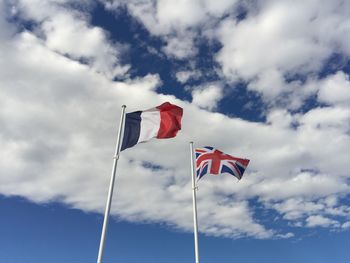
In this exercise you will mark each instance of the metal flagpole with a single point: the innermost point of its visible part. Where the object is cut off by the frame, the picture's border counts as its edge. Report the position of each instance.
(194, 189)
(111, 184)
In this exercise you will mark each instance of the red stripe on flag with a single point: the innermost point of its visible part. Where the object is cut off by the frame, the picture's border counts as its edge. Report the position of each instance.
(244, 162)
(170, 120)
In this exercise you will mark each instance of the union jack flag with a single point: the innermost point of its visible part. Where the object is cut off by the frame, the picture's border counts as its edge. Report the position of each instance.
(213, 161)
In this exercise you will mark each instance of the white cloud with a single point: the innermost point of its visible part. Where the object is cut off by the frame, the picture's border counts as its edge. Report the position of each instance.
(280, 39)
(282, 36)
(269, 83)
(287, 235)
(296, 208)
(58, 124)
(163, 17)
(315, 221)
(175, 20)
(276, 40)
(313, 210)
(68, 32)
(346, 225)
(59, 120)
(182, 13)
(330, 118)
(302, 185)
(331, 201)
(335, 89)
(280, 118)
(180, 47)
(184, 76)
(208, 96)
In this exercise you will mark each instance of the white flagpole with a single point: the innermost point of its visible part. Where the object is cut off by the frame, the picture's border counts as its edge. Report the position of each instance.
(194, 200)
(111, 184)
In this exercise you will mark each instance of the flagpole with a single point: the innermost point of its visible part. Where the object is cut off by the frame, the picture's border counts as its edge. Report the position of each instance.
(111, 184)
(194, 201)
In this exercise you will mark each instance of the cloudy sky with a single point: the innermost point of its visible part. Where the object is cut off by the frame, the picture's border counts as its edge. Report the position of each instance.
(265, 80)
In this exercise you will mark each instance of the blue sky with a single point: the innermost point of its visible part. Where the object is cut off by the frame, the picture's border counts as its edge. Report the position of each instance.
(267, 80)
(54, 233)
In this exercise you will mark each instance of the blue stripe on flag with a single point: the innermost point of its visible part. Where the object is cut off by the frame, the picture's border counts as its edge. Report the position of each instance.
(226, 169)
(240, 168)
(204, 171)
(209, 147)
(131, 129)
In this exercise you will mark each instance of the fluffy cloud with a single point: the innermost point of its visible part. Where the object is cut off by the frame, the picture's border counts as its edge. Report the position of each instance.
(335, 89)
(184, 76)
(297, 209)
(163, 17)
(176, 21)
(58, 123)
(70, 35)
(180, 48)
(346, 225)
(287, 36)
(314, 221)
(207, 96)
(68, 32)
(59, 118)
(281, 118)
(269, 48)
(280, 39)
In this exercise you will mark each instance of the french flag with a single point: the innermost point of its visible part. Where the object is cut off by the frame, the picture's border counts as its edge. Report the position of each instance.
(161, 122)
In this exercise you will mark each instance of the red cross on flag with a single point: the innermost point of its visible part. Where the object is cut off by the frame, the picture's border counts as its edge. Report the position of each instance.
(213, 161)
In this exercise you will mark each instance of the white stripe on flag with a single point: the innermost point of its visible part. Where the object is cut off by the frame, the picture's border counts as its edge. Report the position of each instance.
(150, 123)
